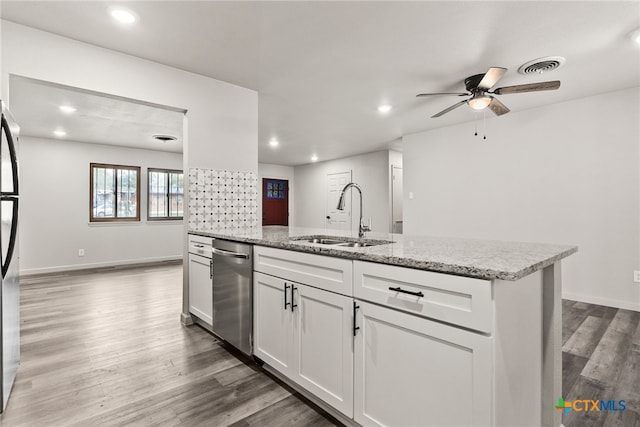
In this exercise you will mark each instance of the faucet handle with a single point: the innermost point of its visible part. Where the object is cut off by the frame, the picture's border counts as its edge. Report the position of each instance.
(366, 227)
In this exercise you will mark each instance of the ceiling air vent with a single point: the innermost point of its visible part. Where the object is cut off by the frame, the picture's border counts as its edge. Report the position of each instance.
(541, 65)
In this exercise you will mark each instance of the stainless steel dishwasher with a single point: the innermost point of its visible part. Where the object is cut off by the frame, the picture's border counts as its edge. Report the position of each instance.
(233, 293)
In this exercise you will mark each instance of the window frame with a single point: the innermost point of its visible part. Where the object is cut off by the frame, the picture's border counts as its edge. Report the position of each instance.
(116, 168)
(167, 194)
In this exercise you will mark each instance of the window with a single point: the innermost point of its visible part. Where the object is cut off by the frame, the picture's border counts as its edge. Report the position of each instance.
(115, 191)
(165, 194)
(276, 189)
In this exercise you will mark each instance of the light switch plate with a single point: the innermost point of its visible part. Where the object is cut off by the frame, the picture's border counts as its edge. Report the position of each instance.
(636, 276)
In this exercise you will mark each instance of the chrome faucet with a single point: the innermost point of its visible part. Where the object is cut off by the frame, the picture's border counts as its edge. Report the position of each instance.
(361, 227)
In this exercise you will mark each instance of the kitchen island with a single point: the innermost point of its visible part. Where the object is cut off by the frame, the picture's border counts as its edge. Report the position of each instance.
(419, 331)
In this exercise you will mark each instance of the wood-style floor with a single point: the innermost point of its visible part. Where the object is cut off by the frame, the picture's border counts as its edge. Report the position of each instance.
(601, 360)
(107, 349)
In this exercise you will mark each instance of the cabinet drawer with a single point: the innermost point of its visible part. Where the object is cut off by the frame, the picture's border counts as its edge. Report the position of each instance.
(458, 300)
(200, 245)
(331, 274)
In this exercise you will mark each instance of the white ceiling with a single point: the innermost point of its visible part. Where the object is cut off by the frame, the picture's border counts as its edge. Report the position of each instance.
(321, 68)
(98, 119)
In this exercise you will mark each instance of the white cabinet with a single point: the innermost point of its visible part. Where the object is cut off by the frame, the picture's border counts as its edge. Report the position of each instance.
(200, 288)
(430, 349)
(306, 334)
(328, 273)
(273, 322)
(462, 301)
(200, 278)
(410, 371)
(323, 345)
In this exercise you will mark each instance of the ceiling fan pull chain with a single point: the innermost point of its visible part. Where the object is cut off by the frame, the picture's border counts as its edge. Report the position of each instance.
(484, 122)
(475, 126)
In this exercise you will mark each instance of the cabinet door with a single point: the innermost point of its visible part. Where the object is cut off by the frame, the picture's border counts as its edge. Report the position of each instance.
(200, 288)
(273, 322)
(410, 371)
(324, 345)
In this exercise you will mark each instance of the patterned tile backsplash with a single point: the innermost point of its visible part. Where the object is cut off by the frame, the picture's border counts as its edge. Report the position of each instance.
(222, 201)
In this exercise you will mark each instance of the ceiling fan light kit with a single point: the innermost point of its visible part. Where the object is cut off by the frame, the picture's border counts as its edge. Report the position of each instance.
(479, 102)
(479, 89)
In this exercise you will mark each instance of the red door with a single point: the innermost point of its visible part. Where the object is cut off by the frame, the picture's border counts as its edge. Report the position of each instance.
(275, 201)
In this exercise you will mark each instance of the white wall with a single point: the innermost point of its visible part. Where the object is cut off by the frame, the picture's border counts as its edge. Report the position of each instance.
(54, 219)
(564, 173)
(221, 123)
(266, 170)
(370, 171)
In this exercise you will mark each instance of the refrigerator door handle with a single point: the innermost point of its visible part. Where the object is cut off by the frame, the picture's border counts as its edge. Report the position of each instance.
(6, 260)
(6, 130)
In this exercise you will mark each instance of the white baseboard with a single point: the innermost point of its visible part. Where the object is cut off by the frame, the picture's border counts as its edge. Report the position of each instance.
(627, 305)
(71, 267)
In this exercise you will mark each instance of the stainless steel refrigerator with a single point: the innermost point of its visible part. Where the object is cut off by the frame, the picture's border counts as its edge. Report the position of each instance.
(10, 284)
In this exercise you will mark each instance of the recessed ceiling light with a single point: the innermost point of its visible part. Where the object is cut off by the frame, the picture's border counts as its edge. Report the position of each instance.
(314, 158)
(274, 142)
(67, 109)
(635, 36)
(59, 133)
(123, 15)
(384, 108)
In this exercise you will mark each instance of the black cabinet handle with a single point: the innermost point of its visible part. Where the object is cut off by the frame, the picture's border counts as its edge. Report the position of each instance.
(355, 328)
(286, 304)
(293, 300)
(210, 269)
(404, 291)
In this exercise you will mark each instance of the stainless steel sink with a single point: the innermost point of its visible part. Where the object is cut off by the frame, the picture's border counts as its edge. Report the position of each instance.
(322, 241)
(346, 242)
(358, 244)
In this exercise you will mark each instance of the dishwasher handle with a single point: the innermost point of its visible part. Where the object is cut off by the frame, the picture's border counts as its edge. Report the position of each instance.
(222, 252)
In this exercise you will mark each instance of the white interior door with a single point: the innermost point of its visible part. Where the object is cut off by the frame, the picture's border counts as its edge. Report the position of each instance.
(335, 219)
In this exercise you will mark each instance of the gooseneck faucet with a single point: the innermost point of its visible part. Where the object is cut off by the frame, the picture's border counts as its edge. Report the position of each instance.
(361, 227)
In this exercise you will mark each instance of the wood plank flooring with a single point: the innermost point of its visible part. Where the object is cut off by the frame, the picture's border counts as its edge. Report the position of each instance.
(107, 348)
(601, 360)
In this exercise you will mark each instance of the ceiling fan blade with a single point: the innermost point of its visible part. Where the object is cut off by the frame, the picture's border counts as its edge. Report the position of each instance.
(497, 107)
(532, 87)
(443, 93)
(491, 77)
(446, 110)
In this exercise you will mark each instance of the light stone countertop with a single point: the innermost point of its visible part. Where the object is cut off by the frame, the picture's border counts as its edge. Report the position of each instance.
(484, 259)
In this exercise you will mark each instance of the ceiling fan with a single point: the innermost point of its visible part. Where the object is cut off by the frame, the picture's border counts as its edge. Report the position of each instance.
(478, 88)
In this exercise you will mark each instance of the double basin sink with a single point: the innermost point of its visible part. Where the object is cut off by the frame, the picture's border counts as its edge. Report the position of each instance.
(344, 242)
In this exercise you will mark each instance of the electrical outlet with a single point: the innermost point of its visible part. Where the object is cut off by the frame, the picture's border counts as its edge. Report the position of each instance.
(636, 276)
(80, 252)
